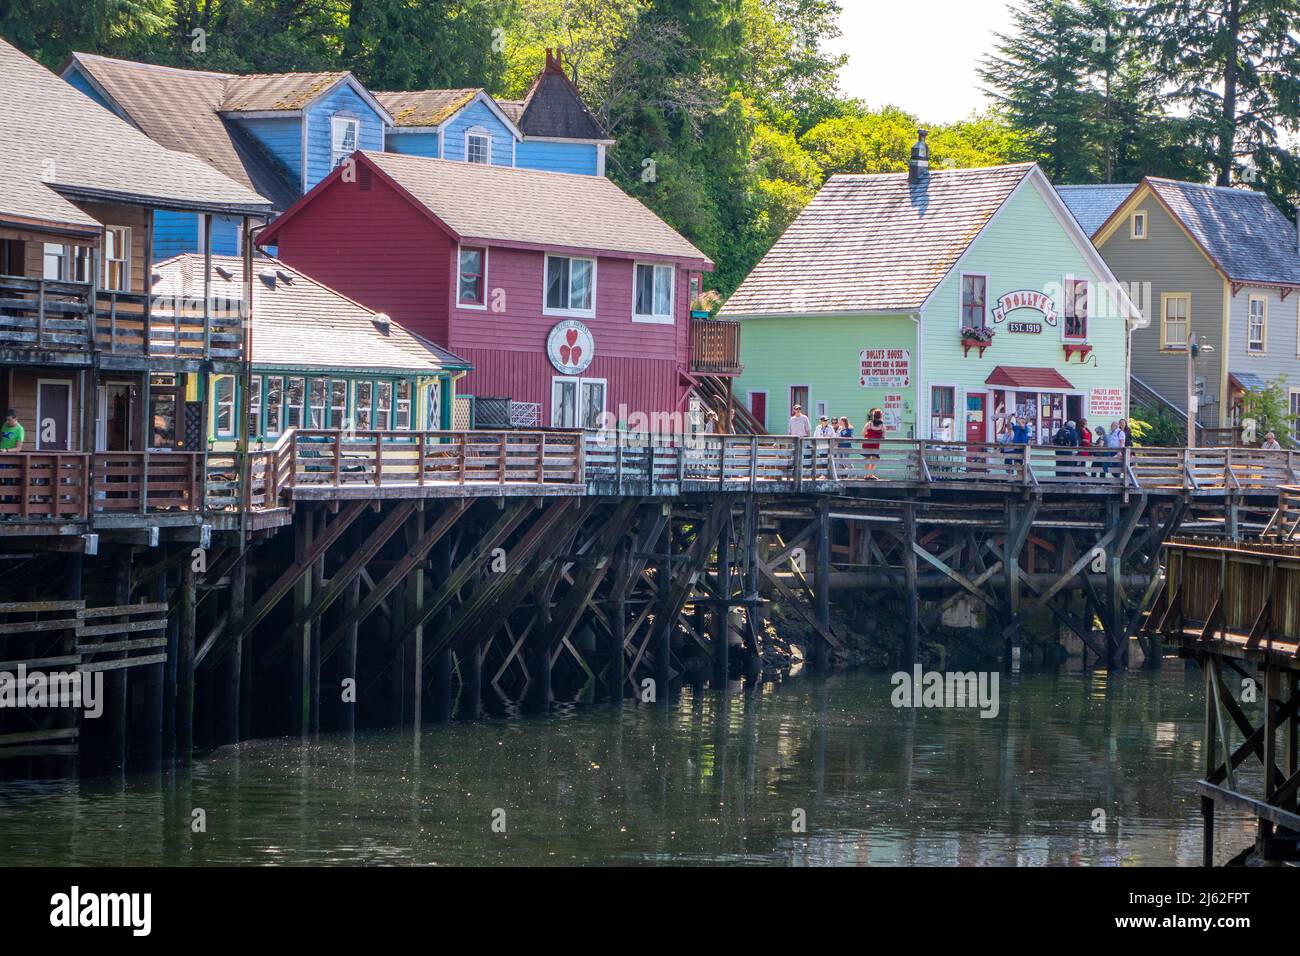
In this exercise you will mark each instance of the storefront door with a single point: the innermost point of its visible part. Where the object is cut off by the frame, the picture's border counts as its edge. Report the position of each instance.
(976, 417)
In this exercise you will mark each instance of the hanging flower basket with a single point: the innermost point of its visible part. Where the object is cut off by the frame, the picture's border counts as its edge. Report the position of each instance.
(976, 337)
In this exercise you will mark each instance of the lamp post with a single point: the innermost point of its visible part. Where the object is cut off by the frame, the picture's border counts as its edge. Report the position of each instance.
(1195, 346)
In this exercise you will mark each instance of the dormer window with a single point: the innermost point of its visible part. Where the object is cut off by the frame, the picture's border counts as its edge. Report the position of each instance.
(478, 146)
(1137, 225)
(344, 132)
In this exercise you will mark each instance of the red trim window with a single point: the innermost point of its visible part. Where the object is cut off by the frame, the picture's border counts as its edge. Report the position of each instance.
(473, 272)
(973, 314)
(1076, 309)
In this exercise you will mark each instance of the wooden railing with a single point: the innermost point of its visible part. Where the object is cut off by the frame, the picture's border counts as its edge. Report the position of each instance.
(43, 314)
(49, 486)
(715, 346)
(1285, 523)
(147, 482)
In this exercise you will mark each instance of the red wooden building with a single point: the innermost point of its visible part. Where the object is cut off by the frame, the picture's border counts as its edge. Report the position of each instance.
(570, 298)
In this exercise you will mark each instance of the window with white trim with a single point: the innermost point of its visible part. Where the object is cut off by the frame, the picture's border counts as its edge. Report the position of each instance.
(570, 285)
(384, 405)
(223, 404)
(274, 405)
(117, 258)
(55, 261)
(974, 314)
(316, 390)
(1076, 309)
(1175, 320)
(295, 397)
(365, 405)
(577, 402)
(1256, 323)
(478, 146)
(344, 131)
(338, 403)
(1137, 224)
(402, 406)
(471, 282)
(255, 406)
(943, 411)
(653, 294)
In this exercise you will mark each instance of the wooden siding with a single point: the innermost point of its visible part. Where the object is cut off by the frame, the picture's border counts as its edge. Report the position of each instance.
(412, 144)
(477, 114)
(374, 246)
(557, 157)
(117, 215)
(283, 139)
(1169, 262)
(20, 387)
(1282, 339)
(347, 102)
(1024, 247)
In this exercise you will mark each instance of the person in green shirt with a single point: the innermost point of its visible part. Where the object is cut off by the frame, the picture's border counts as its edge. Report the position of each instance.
(12, 434)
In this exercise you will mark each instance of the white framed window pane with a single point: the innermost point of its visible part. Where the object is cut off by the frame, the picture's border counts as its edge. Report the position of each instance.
(225, 404)
(295, 398)
(564, 402)
(477, 148)
(580, 284)
(316, 402)
(117, 258)
(557, 283)
(55, 262)
(384, 408)
(663, 290)
(254, 406)
(593, 404)
(402, 406)
(644, 289)
(274, 405)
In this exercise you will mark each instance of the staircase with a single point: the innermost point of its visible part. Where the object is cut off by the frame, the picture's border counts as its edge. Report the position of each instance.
(1143, 395)
(712, 390)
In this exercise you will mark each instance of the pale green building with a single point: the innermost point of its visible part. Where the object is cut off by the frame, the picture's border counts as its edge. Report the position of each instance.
(879, 293)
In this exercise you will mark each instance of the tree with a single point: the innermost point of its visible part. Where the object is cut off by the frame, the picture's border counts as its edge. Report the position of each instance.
(1233, 65)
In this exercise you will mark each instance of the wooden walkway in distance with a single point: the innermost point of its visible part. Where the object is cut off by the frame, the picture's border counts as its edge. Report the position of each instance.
(338, 465)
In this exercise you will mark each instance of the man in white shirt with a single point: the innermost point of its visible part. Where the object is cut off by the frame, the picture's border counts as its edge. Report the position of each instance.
(800, 426)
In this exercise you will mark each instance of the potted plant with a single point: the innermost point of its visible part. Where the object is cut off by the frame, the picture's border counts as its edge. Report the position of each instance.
(702, 305)
(975, 337)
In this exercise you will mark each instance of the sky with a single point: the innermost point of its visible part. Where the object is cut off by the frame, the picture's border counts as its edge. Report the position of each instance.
(920, 55)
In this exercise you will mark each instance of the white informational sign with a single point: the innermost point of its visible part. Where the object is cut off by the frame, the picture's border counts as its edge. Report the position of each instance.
(570, 347)
(893, 409)
(1106, 403)
(885, 368)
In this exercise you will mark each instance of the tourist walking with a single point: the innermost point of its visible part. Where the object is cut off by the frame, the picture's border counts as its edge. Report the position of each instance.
(872, 433)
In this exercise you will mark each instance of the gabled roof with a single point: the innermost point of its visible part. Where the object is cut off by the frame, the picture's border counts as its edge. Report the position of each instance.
(426, 107)
(178, 109)
(61, 144)
(273, 92)
(1093, 205)
(553, 108)
(299, 323)
(1240, 230)
(875, 243)
(521, 207)
(1021, 376)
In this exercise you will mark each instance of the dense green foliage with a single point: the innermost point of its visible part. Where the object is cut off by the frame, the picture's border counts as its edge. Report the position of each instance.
(728, 116)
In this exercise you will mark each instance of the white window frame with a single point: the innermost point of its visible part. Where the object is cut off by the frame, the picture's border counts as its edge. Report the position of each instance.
(569, 312)
(233, 433)
(1263, 327)
(403, 406)
(255, 404)
(579, 381)
(478, 132)
(1138, 215)
(1068, 295)
(337, 121)
(1165, 299)
(654, 318)
(267, 407)
(61, 255)
(126, 262)
(480, 307)
(961, 308)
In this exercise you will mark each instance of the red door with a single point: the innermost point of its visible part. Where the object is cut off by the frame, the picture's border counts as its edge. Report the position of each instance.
(975, 417)
(758, 407)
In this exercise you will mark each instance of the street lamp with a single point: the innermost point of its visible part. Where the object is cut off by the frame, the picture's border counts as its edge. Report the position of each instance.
(1195, 346)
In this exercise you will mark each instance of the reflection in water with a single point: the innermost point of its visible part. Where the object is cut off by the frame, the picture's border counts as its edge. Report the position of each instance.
(713, 778)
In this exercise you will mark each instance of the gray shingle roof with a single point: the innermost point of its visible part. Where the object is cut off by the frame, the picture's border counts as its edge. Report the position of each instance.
(299, 323)
(178, 109)
(1093, 205)
(874, 243)
(1239, 229)
(261, 92)
(426, 107)
(59, 140)
(561, 210)
(553, 107)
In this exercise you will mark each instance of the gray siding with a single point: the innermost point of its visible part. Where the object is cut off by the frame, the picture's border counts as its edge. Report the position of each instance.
(1167, 261)
(1281, 343)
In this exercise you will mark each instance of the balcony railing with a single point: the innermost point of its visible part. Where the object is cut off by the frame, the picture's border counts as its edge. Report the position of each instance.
(46, 314)
(715, 346)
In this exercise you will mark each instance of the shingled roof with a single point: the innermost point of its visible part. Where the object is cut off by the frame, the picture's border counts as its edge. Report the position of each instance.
(272, 92)
(178, 109)
(505, 205)
(426, 107)
(874, 243)
(64, 145)
(1239, 229)
(1093, 205)
(299, 323)
(553, 107)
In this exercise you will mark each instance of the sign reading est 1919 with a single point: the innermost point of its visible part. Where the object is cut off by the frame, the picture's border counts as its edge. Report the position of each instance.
(885, 368)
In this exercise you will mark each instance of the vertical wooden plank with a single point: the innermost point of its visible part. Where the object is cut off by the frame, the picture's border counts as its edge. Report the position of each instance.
(351, 598)
(912, 651)
(441, 677)
(822, 583)
(301, 636)
(722, 613)
(155, 677)
(185, 665)
(235, 660)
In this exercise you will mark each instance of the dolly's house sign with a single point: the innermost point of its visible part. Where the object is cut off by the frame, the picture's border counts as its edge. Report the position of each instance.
(885, 368)
(570, 347)
(1025, 299)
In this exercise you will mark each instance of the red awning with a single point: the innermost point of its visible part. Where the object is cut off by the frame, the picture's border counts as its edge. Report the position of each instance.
(1013, 376)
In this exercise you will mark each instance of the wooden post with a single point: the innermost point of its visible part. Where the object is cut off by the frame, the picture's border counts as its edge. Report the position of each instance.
(317, 585)
(117, 679)
(301, 636)
(351, 598)
(822, 584)
(912, 650)
(155, 678)
(1209, 750)
(235, 662)
(185, 666)
(414, 598)
(76, 567)
(722, 616)
(471, 693)
(664, 629)
(170, 701)
(442, 669)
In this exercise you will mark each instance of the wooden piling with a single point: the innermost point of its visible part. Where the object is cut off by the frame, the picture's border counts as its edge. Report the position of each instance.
(911, 599)
(441, 669)
(185, 665)
(301, 636)
(722, 612)
(822, 585)
(229, 733)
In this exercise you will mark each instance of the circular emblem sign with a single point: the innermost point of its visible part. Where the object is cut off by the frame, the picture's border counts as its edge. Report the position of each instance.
(570, 347)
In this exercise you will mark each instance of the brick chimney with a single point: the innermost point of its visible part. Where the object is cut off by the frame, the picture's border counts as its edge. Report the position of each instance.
(918, 168)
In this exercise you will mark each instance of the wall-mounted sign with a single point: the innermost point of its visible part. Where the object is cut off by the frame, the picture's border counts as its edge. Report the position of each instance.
(1106, 403)
(885, 368)
(570, 347)
(1025, 299)
(893, 409)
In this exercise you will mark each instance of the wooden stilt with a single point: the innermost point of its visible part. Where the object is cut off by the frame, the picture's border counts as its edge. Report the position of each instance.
(662, 648)
(301, 633)
(235, 663)
(441, 676)
(317, 585)
(722, 616)
(911, 654)
(471, 676)
(185, 665)
(348, 667)
(822, 585)
(116, 704)
(155, 678)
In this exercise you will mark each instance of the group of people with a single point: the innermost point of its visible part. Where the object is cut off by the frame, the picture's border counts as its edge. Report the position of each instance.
(830, 427)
